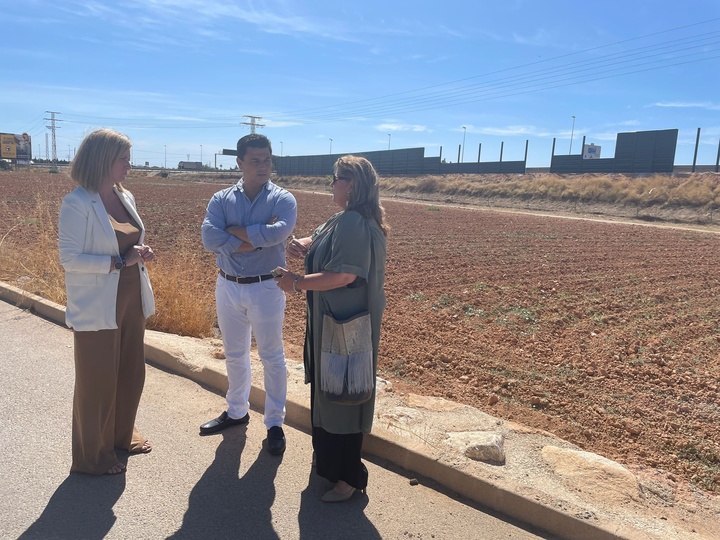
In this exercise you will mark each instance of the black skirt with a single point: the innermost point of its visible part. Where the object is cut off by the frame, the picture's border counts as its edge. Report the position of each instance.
(338, 457)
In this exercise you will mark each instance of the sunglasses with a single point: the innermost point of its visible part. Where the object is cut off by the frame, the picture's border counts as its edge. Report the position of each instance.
(343, 178)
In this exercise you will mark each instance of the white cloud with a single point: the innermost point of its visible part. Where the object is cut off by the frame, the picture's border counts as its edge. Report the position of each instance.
(688, 105)
(630, 123)
(280, 123)
(281, 19)
(539, 38)
(607, 136)
(510, 130)
(396, 126)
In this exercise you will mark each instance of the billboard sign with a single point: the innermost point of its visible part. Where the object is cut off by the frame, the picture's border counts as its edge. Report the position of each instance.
(590, 151)
(14, 146)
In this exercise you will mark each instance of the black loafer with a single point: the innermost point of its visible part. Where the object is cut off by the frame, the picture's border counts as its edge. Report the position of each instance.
(221, 422)
(275, 440)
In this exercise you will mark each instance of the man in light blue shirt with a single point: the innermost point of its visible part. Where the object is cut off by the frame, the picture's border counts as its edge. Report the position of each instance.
(246, 226)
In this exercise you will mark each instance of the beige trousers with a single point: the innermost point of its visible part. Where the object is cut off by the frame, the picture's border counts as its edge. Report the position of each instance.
(109, 380)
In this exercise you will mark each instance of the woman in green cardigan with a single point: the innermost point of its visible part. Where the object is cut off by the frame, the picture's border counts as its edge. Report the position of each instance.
(344, 277)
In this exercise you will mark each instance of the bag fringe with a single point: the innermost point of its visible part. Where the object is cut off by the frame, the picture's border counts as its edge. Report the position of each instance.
(346, 358)
(346, 373)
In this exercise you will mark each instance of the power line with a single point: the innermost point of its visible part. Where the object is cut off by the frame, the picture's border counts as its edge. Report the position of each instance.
(500, 83)
(35, 126)
(634, 60)
(559, 57)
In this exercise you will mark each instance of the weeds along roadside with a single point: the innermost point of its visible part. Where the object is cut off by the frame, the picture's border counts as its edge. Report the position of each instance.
(29, 260)
(29, 253)
(184, 304)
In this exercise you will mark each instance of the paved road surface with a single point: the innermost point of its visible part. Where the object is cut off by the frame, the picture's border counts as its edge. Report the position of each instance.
(221, 486)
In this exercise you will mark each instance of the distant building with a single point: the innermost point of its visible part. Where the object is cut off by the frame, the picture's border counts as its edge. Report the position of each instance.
(190, 165)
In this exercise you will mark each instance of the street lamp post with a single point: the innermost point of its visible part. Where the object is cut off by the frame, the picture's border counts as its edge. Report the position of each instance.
(330, 146)
(389, 136)
(462, 155)
(281, 148)
(572, 132)
(165, 147)
(201, 155)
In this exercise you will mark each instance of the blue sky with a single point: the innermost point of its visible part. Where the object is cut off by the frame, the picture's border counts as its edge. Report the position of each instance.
(181, 76)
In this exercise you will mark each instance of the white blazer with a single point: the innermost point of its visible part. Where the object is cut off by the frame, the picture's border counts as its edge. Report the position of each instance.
(87, 242)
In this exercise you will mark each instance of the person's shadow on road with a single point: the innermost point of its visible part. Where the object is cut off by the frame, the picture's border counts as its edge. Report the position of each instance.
(221, 505)
(81, 507)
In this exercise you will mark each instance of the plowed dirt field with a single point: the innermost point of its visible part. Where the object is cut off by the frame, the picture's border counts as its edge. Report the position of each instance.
(603, 333)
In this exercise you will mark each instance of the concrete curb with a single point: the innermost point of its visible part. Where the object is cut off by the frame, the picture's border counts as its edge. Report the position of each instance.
(381, 443)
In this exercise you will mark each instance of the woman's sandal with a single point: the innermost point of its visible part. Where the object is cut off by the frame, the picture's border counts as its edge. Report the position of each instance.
(146, 448)
(118, 468)
(333, 496)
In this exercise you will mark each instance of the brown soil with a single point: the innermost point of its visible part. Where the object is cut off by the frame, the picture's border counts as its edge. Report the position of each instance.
(604, 334)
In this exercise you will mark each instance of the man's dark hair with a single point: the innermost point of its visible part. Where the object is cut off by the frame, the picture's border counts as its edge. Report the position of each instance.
(254, 140)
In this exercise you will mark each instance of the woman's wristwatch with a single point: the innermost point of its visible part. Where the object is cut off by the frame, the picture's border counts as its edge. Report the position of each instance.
(119, 262)
(295, 281)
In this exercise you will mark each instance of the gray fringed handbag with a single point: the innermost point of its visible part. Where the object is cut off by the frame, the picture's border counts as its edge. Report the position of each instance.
(346, 358)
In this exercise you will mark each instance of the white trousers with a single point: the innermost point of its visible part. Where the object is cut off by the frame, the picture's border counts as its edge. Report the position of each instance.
(257, 309)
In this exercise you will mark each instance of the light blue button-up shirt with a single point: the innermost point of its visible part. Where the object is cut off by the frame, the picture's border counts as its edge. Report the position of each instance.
(231, 206)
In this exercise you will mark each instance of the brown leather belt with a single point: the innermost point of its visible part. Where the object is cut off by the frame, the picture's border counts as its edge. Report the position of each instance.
(246, 280)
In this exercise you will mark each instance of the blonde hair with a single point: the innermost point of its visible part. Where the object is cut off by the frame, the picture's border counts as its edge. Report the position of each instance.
(95, 157)
(364, 197)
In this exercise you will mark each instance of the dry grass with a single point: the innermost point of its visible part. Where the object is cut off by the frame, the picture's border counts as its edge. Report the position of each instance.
(33, 265)
(697, 191)
(184, 305)
(700, 191)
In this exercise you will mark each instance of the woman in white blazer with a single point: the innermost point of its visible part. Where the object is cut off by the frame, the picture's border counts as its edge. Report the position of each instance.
(108, 299)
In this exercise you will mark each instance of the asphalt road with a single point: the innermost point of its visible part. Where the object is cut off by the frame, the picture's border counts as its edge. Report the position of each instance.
(221, 486)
